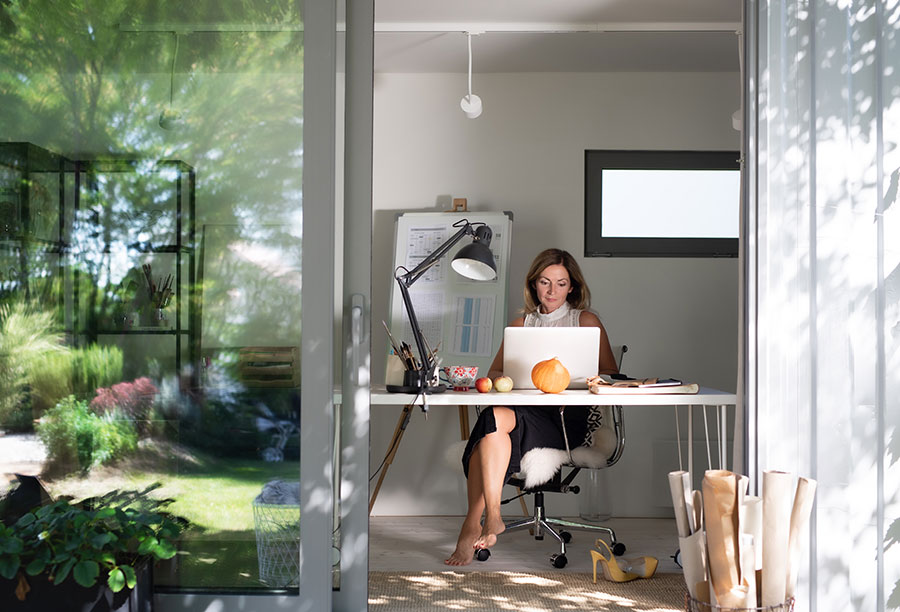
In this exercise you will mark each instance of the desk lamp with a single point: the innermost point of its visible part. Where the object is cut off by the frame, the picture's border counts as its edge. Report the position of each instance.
(474, 261)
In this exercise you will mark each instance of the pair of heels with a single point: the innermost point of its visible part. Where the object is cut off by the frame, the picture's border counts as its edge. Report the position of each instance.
(622, 570)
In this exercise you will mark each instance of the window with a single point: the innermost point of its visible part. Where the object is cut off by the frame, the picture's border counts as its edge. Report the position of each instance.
(661, 203)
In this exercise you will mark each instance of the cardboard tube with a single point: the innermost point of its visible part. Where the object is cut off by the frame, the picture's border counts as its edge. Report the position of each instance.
(777, 502)
(693, 561)
(798, 539)
(680, 487)
(720, 513)
(748, 569)
(752, 525)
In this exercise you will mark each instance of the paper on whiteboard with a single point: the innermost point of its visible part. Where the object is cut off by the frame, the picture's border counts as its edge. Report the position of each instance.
(474, 330)
(429, 307)
(420, 243)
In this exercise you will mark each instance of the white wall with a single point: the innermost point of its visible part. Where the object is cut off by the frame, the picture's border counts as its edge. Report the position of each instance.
(525, 154)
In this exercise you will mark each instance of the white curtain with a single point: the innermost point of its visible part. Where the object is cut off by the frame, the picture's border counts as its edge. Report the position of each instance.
(822, 262)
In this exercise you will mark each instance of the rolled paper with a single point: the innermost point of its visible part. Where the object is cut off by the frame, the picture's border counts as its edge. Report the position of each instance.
(693, 560)
(752, 525)
(748, 569)
(777, 501)
(697, 502)
(720, 513)
(798, 539)
(679, 481)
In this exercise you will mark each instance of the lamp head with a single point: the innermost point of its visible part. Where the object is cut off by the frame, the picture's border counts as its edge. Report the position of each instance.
(475, 260)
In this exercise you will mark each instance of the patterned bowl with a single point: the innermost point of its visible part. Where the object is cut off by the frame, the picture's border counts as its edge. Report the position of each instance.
(460, 378)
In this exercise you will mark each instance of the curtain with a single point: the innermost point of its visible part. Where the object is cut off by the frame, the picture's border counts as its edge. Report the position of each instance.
(822, 264)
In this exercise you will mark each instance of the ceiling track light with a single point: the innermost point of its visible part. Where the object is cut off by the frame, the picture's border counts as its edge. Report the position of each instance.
(471, 104)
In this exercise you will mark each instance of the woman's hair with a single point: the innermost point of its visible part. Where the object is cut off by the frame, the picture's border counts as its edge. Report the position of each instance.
(579, 298)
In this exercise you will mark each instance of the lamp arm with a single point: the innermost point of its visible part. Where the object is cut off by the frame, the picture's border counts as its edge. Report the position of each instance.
(425, 363)
(413, 275)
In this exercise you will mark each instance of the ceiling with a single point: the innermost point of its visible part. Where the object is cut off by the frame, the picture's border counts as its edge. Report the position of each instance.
(557, 35)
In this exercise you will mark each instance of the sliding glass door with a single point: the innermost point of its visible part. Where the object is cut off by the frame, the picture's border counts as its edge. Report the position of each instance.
(167, 206)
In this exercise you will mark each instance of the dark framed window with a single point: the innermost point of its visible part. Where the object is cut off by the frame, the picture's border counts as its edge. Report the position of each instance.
(661, 203)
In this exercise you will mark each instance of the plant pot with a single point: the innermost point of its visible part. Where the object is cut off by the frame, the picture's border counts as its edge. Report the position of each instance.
(72, 597)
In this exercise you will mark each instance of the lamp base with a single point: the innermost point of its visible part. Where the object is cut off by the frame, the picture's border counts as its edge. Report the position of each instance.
(415, 389)
(412, 383)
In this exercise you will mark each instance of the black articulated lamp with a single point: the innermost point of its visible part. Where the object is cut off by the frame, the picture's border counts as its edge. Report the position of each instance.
(473, 261)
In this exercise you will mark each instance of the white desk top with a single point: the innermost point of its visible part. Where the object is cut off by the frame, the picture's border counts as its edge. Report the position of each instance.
(531, 397)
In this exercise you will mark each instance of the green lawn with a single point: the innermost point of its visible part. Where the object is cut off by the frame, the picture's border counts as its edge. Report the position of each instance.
(215, 495)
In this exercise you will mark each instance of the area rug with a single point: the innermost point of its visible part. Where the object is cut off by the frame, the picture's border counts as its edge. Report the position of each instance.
(523, 592)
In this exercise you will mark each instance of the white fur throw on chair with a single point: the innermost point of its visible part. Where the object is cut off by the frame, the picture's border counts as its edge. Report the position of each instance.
(539, 465)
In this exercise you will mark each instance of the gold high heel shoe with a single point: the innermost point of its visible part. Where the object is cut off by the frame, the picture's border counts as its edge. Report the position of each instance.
(623, 570)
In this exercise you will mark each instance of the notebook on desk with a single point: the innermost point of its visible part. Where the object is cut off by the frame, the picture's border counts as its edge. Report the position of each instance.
(577, 348)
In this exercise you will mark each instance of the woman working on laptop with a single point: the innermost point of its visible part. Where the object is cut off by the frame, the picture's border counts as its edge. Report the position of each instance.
(555, 296)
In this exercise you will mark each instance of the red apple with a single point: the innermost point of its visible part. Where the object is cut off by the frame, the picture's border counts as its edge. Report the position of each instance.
(503, 384)
(483, 384)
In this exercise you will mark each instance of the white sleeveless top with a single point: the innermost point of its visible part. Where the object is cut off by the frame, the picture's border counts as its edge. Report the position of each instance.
(564, 316)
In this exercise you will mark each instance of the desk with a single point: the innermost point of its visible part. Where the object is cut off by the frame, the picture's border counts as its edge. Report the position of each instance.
(529, 397)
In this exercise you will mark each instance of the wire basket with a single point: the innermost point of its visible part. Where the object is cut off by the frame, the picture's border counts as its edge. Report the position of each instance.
(277, 543)
(695, 605)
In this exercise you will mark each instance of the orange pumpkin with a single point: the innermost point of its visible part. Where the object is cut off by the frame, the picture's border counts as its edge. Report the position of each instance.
(550, 376)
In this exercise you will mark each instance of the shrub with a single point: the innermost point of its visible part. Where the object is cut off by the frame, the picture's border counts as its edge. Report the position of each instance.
(51, 381)
(75, 436)
(94, 367)
(133, 399)
(27, 337)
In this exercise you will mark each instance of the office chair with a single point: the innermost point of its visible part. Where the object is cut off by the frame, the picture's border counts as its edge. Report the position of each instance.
(582, 457)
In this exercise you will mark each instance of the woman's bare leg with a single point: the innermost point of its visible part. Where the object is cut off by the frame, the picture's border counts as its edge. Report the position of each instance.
(471, 527)
(496, 448)
(483, 488)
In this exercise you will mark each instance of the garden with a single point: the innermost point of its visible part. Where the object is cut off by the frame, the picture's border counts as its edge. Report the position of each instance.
(206, 447)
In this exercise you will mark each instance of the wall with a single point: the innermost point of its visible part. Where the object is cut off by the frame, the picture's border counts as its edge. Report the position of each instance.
(525, 154)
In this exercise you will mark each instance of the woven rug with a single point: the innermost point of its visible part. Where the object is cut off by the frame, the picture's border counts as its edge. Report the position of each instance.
(523, 592)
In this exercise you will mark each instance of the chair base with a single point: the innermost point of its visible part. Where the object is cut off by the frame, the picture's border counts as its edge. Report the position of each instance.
(540, 523)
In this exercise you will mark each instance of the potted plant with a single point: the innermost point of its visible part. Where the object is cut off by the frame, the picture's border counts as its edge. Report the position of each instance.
(86, 556)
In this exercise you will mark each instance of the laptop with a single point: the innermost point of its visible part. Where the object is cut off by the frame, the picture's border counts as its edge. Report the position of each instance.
(577, 348)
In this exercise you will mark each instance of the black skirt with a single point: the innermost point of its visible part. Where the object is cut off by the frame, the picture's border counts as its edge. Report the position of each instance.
(536, 427)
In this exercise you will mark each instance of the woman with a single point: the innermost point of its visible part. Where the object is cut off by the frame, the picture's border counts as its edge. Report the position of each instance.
(555, 296)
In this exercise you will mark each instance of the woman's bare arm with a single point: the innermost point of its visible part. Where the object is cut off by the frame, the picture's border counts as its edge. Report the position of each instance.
(606, 361)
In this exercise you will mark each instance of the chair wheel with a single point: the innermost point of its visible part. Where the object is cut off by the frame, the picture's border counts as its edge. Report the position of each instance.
(566, 536)
(482, 554)
(558, 560)
(618, 549)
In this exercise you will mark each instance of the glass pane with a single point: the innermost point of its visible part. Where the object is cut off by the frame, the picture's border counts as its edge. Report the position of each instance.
(150, 267)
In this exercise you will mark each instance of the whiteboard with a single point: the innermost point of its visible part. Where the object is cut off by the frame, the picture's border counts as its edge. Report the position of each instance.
(462, 319)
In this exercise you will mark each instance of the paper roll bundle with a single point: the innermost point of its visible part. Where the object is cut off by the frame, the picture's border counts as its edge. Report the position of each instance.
(777, 503)
(752, 525)
(803, 501)
(693, 560)
(680, 488)
(720, 513)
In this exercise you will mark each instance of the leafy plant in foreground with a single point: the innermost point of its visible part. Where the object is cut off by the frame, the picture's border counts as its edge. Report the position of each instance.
(104, 537)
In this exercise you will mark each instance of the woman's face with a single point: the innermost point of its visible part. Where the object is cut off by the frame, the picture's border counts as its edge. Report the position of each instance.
(553, 287)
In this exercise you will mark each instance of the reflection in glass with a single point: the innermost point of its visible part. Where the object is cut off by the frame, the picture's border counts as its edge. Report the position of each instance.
(150, 278)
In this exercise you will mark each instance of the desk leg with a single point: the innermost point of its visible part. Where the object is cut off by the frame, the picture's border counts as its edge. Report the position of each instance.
(464, 422)
(392, 450)
(690, 451)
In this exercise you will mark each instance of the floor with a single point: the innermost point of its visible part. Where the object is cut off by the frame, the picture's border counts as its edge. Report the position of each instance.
(421, 543)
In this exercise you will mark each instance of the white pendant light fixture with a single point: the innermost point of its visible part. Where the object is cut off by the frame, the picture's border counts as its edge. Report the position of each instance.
(170, 118)
(471, 104)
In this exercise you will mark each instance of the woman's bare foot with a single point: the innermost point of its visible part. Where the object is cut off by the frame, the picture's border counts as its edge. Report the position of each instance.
(489, 532)
(465, 545)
